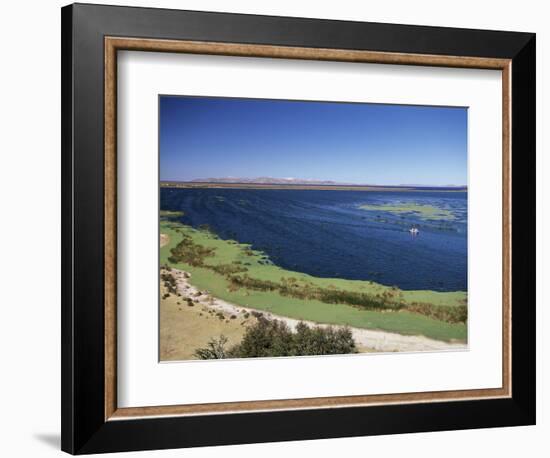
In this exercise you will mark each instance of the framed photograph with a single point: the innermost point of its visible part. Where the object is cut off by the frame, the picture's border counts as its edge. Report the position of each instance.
(280, 228)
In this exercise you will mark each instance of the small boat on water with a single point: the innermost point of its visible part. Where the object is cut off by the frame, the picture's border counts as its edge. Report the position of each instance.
(414, 230)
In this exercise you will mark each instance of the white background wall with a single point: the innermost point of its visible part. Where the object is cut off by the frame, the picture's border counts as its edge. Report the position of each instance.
(30, 226)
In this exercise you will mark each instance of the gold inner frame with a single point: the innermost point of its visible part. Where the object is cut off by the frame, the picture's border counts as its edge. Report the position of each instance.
(112, 45)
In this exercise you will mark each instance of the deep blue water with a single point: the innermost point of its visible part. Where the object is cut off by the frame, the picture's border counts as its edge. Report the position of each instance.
(326, 234)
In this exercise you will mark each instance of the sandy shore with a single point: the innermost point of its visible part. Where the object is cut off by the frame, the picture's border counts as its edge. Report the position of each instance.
(377, 341)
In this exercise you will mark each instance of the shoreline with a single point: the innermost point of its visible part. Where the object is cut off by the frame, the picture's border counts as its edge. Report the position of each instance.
(379, 287)
(305, 187)
(371, 339)
(230, 254)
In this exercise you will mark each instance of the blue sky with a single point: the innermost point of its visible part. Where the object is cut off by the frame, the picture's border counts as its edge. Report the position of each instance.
(205, 137)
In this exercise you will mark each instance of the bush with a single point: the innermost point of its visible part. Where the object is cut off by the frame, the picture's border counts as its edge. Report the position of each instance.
(323, 341)
(215, 349)
(190, 253)
(227, 269)
(268, 338)
(450, 314)
(169, 282)
(265, 338)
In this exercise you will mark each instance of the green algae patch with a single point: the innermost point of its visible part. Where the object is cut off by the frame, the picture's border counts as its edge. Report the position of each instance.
(423, 211)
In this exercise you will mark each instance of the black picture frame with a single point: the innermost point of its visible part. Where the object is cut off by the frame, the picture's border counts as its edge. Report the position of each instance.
(84, 428)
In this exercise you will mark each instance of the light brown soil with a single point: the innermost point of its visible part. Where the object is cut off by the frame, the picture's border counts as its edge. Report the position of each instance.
(185, 328)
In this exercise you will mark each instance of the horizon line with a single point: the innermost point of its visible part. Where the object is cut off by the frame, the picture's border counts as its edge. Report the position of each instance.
(306, 182)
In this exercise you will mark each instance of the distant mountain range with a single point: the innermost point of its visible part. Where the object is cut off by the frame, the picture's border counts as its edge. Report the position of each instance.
(434, 186)
(266, 180)
(302, 181)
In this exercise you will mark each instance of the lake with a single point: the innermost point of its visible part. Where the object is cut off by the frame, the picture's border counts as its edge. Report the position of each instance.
(355, 235)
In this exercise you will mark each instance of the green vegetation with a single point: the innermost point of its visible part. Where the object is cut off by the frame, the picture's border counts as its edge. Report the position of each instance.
(269, 338)
(238, 274)
(169, 214)
(423, 211)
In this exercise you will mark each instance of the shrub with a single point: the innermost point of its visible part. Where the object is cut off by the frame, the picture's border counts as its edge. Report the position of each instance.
(450, 314)
(323, 341)
(190, 252)
(169, 282)
(227, 269)
(215, 349)
(265, 338)
(269, 338)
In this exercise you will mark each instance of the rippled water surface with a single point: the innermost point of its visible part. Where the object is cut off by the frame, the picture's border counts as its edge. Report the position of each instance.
(327, 233)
